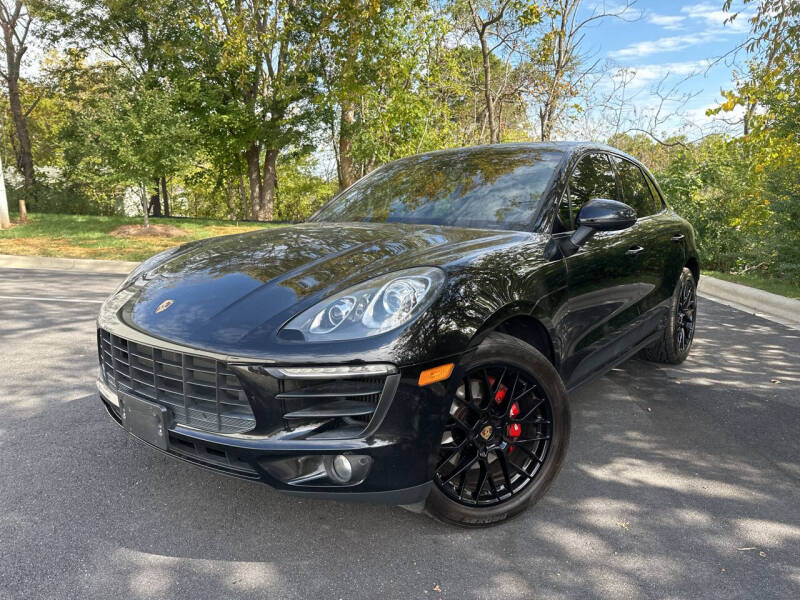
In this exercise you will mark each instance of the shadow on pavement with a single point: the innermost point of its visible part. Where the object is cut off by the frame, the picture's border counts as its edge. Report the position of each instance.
(680, 482)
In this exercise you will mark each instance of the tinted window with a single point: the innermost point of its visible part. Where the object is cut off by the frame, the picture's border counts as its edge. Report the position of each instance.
(592, 178)
(656, 194)
(498, 188)
(635, 190)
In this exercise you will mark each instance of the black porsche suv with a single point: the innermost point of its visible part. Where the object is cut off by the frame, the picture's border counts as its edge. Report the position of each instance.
(414, 342)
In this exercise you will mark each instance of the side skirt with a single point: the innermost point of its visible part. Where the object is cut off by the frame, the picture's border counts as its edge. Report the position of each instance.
(619, 360)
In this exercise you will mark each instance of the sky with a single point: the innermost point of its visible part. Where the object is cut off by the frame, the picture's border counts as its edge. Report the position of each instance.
(681, 40)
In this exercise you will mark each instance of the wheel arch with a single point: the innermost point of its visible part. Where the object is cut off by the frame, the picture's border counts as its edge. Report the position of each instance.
(525, 327)
(694, 266)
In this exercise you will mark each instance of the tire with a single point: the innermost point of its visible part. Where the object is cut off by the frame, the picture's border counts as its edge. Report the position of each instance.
(676, 340)
(501, 364)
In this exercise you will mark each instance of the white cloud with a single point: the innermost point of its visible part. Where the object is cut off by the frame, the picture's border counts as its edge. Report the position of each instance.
(708, 16)
(666, 21)
(645, 74)
(715, 18)
(664, 44)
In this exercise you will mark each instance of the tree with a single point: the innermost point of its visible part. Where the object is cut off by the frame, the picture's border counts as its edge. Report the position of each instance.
(374, 70)
(249, 73)
(125, 130)
(770, 96)
(136, 36)
(502, 27)
(564, 66)
(16, 22)
(772, 43)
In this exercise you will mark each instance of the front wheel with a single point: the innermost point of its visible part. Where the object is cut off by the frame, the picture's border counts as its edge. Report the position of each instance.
(505, 438)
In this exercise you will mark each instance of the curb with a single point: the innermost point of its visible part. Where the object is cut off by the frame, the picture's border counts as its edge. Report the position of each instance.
(752, 300)
(85, 265)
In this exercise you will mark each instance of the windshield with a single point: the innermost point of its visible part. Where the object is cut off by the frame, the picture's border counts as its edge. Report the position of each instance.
(494, 188)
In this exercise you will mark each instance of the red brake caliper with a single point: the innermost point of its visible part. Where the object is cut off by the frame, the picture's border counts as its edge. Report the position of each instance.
(515, 429)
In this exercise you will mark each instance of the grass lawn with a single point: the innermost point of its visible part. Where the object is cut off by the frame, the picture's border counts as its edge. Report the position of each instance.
(82, 236)
(776, 286)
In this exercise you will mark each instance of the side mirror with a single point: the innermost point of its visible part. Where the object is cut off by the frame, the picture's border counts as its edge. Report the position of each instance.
(599, 214)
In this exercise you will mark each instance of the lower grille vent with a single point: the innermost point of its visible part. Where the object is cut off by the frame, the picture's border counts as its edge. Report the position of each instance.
(338, 408)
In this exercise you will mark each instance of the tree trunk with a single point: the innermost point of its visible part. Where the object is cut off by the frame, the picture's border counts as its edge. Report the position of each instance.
(347, 172)
(263, 184)
(155, 201)
(243, 196)
(546, 121)
(145, 207)
(164, 197)
(252, 156)
(24, 155)
(269, 185)
(4, 220)
(487, 91)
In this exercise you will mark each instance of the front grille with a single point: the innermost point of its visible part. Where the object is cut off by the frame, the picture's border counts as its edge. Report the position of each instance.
(201, 392)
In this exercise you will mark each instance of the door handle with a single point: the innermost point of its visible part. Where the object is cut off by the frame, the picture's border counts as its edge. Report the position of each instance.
(678, 237)
(633, 250)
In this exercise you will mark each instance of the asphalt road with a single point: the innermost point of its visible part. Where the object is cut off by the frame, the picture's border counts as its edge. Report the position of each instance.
(680, 482)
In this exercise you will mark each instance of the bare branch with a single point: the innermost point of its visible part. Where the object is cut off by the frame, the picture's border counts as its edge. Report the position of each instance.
(33, 106)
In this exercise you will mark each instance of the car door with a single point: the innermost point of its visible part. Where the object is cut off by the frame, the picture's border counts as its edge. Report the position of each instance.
(654, 231)
(604, 278)
(672, 243)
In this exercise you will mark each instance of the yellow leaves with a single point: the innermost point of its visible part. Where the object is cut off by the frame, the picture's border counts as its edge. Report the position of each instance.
(531, 14)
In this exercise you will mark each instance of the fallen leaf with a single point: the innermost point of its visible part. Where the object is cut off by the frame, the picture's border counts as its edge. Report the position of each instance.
(624, 524)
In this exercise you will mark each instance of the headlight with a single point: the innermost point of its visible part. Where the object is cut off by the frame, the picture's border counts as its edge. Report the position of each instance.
(148, 265)
(375, 306)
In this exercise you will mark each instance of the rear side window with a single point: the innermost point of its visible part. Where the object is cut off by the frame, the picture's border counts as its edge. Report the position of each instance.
(635, 189)
(592, 178)
(656, 194)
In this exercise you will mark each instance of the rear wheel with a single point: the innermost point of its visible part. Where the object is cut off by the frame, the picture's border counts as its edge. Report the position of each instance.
(674, 345)
(506, 436)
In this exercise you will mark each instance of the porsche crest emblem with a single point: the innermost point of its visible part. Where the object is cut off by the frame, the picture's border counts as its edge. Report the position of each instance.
(164, 306)
(486, 432)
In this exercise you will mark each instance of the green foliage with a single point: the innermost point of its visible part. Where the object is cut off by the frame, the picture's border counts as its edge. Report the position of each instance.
(301, 192)
(770, 95)
(716, 185)
(202, 92)
(58, 198)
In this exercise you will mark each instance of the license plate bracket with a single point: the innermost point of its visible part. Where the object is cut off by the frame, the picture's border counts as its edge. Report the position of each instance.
(145, 420)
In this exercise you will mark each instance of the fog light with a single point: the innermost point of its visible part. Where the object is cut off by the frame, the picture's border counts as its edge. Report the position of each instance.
(342, 469)
(347, 469)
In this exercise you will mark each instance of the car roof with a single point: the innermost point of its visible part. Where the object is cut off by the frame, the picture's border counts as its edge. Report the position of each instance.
(569, 148)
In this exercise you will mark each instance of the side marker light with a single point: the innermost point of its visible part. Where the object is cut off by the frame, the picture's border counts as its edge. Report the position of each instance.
(435, 374)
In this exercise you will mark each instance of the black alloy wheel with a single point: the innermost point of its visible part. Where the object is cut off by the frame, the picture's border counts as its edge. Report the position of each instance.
(497, 438)
(686, 314)
(505, 434)
(673, 346)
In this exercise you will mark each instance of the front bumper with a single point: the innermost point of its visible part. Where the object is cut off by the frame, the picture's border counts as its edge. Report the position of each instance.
(401, 447)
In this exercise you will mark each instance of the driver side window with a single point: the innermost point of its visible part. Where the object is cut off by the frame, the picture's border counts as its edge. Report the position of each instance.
(593, 177)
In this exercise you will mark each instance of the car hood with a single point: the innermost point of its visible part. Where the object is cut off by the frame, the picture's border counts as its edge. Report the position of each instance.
(232, 294)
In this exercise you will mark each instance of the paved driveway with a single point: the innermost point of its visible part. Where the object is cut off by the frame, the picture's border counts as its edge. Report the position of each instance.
(680, 482)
